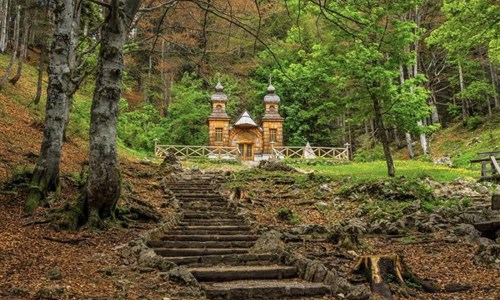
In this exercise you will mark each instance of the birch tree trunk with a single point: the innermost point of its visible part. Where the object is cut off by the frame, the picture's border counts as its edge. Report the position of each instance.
(409, 145)
(15, 43)
(103, 189)
(494, 84)
(39, 83)
(72, 84)
(465, 111)
(23, 48)
(4, 8)
(46, 175)
(423, 138)
(409, 142)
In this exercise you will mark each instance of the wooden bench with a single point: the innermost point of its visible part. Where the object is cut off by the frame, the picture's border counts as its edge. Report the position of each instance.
(490, 169)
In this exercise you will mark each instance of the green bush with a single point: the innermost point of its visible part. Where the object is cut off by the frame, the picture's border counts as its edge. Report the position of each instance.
(474, 122)
(369, 155)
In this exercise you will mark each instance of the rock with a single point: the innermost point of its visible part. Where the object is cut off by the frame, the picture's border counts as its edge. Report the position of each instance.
(436, 219)
(50, 293)
(456, 287)
(468, 231)
(322, 205)
(358, 292)
(475, 140)
(181, 275)
(444, 160)
(495, 201)
(149, 259)
(426, 227)
(325, 188)
(379, 226)
(482, 241)
(313, 228)
(408, 221)
(270, 165)
(488, 256)
(54, 274)
(394, 230)
(413, 207)
(270, 241)
(171, 163)
(195, 169)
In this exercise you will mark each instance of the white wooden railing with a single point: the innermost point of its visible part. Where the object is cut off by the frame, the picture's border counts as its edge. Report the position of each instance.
(186, 151)
(311, 152)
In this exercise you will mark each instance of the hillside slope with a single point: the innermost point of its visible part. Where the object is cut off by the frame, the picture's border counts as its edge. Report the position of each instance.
(462, 143)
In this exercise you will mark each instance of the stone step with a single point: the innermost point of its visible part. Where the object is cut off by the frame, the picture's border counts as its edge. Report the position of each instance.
(226, 273)
(195, 195)
(213, 222)
(201, 244)
(228, 259)
(210, 210)
(214, 229)
(202, 201)
(207, 206)
(211, 215)
(183, 232)
(199, 251)
(264, 289)
(214, 237)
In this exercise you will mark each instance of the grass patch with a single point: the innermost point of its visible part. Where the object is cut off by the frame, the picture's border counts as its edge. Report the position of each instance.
(378, 170)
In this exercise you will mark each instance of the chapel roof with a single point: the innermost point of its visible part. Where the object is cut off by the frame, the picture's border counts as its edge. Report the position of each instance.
(219, 94)
(245, 120)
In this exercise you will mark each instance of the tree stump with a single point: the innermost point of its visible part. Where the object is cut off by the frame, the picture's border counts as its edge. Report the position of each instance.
(381, 270)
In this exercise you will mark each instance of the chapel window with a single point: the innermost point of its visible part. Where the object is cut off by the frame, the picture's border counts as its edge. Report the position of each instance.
(218, 134)
(272, 135)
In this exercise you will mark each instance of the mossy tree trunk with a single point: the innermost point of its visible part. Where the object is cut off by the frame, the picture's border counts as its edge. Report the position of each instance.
(46, 175)
(103, 189)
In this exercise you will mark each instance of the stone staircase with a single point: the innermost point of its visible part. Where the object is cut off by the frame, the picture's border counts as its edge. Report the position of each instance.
(214, 243)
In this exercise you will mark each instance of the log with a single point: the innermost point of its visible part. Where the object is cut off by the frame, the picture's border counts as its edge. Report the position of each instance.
(381, 270)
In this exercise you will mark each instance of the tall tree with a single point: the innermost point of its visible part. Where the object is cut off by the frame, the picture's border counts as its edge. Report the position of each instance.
(46, 174)
(23, 48)
(15, 47)
(4, 15)
(103, 189)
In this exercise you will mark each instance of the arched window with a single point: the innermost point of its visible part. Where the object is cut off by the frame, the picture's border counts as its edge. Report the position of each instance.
(272, 109)
(218, 108)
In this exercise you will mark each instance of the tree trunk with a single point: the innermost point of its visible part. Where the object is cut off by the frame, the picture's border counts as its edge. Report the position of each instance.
(409, 145)
(494, 84)
(423, 140)
(23, 48)
(40, 69)
(4, 8)
(46, 174)
(465, 110)
(383, 136)
(103, 189)
(72, 85)
(15, 43)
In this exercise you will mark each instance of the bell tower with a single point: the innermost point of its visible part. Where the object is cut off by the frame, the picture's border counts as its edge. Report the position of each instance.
(272, 122)
(218, 120)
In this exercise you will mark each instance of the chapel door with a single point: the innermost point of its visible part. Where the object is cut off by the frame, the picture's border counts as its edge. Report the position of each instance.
(246, 151)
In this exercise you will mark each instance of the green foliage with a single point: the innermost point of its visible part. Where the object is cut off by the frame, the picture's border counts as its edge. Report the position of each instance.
(185, 123)
(369, 155)
(474, 122)
(286, 214)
